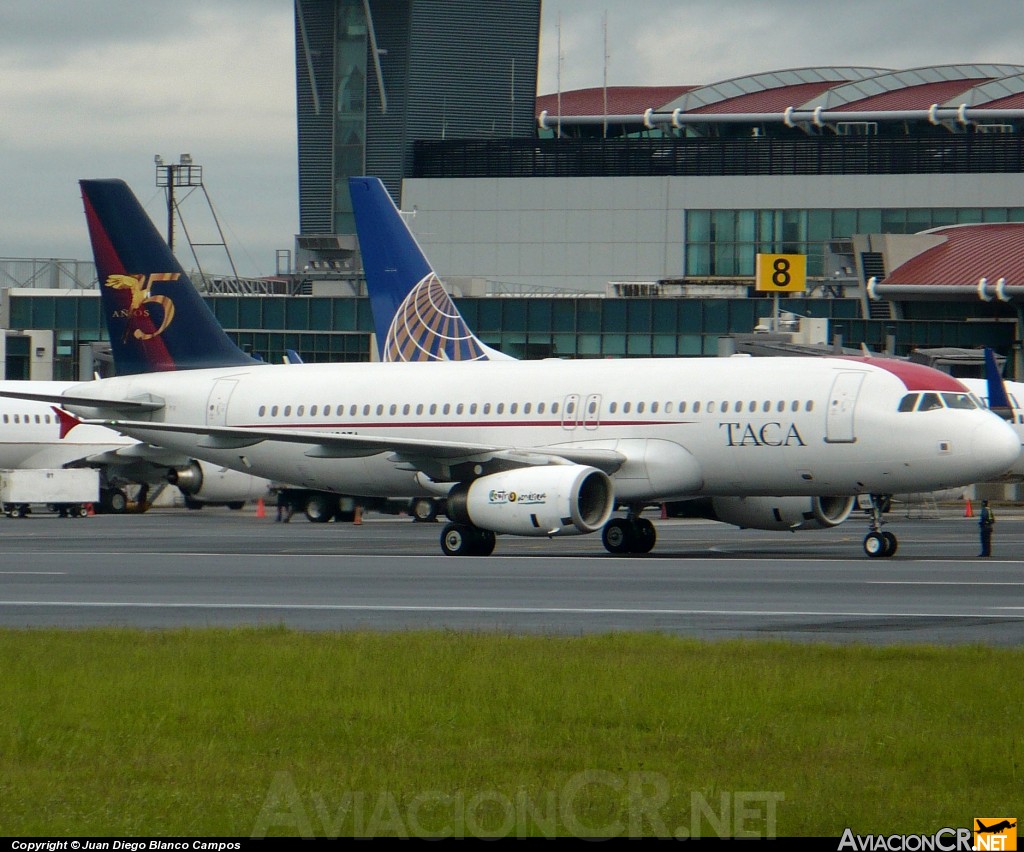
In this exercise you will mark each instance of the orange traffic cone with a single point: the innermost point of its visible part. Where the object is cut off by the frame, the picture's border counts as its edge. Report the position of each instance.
(357, 516)
(968, 512)
(261, 509)
(90, 509)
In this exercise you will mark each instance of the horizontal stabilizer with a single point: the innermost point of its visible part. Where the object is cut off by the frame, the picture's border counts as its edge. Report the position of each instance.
(146, 403)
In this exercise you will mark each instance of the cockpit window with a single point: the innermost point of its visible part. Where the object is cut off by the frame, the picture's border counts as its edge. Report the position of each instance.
(958, 400)
(909, 402)
(929, 402)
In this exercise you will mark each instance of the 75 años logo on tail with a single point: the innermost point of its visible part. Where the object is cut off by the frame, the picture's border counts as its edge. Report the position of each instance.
(140, 287)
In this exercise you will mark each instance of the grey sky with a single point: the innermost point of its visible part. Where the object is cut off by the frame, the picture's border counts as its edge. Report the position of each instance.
(95, 88)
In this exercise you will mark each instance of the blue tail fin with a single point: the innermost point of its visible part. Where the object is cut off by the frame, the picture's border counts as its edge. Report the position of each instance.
(998, 401)
(413, 316)
(156, 318)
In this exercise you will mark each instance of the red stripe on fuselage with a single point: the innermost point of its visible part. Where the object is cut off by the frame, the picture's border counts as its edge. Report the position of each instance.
(916, 377)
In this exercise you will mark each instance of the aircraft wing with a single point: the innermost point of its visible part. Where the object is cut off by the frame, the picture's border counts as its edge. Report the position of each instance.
(436, 458)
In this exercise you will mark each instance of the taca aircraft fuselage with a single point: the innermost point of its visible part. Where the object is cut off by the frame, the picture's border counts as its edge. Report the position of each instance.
(679, 428)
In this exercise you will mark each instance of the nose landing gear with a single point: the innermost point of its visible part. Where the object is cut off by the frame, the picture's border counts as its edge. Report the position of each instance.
(878, 544)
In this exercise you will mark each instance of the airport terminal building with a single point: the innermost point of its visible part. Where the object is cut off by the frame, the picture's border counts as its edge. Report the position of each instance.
(615, 222)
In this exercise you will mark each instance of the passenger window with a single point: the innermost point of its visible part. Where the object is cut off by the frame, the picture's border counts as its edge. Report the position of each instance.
(487, 408)
(780, 406)
(682, 408)
(419, 408)
(929, 402)
(405, 409)
(380, 409)
(273, 413)
(752, 406)
(766, 406)
(287, 411)
(366, 410)
(527, 407)
(725, 408)
(711, 408)
(313, 409)
(626, 407)
(540, 407)
(458, 408)
(500, 409)
(301, 410)
(447, 409)
(639, 408)
(472, 408)
(433, 409)
(351, 412)
(393, 410)
(654, 407)
(554, 408)
(809, 406)
(696, 408)
(261, 413)
(513, 408)
(794, 405)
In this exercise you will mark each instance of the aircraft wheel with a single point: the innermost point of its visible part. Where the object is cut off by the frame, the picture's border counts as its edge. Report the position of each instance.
(875, 545)
(891, 543)
(318, 509)
(644, 536)
(458, 540)
(485, 541)
(617, 536)
(424, 509)
(115, 501)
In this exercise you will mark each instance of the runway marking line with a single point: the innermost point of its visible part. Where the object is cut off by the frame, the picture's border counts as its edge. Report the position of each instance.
(497, 610)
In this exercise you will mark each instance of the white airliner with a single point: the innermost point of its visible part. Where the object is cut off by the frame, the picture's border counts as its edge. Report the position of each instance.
(543, 448)
(37, 435)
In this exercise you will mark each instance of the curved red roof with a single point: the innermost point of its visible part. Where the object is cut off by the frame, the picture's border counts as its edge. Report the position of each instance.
(622, 100)
(967, 253)
(912, 97)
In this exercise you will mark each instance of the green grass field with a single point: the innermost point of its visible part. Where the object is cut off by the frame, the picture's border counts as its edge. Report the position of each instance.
(275, 732)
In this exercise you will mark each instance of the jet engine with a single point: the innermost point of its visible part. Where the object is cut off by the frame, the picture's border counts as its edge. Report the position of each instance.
(535, 501)
(782, 513)
(208, 483)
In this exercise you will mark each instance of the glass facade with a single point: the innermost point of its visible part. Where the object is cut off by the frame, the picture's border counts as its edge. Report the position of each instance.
(724, 242)
(325, 329)
(350, 108)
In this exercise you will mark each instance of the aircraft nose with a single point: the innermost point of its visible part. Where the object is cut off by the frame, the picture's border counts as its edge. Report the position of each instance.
(996, 447)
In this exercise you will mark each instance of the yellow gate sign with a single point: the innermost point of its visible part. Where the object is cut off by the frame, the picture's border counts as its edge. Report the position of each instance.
(781, 273)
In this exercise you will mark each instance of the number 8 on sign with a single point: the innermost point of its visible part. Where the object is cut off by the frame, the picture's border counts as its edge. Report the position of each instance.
(781, 273)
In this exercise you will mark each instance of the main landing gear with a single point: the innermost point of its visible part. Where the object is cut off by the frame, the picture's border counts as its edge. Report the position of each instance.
(878, 544)
(631, 534)
(466, 540)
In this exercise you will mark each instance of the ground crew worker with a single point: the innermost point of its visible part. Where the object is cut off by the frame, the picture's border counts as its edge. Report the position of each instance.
(285, 509)
(986, 520)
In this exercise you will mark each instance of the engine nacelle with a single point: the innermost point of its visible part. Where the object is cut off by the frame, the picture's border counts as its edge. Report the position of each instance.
(209, 483)
(536, 501)
(783, 513)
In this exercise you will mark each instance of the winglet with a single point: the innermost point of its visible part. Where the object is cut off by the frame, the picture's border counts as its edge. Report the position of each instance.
(413, 315)
(155, 317)
(998, 400)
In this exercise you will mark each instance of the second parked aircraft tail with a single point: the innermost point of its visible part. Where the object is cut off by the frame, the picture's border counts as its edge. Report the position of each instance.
(413, 315)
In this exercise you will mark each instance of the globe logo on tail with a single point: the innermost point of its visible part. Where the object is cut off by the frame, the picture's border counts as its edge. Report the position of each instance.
(428, 327)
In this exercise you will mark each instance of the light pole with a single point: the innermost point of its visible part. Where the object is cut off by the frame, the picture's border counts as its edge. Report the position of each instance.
(171, 175)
